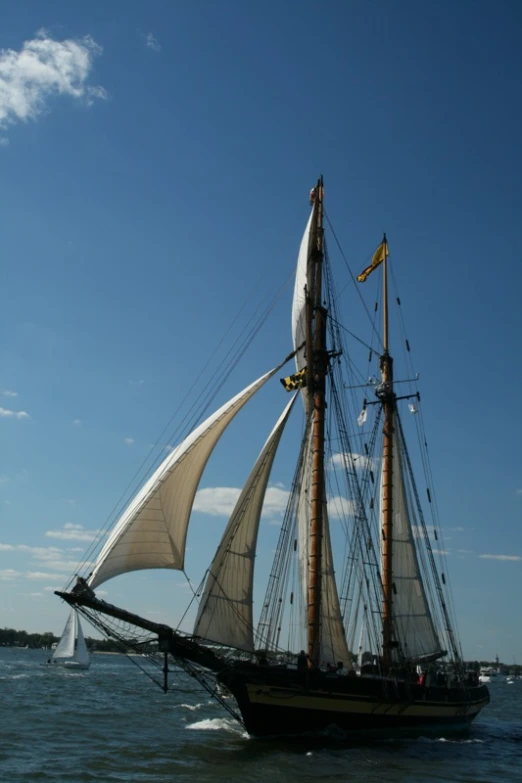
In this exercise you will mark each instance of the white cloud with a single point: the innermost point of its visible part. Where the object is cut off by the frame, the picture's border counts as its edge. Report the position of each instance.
(128, 441)
(217, 501)
(77, 422)
(4, 479)
(276, 500)
(359, 461)
(63, 565)
(137, 383)
(152, 43)
(71, 532)
(9, 393)
(51, 557)
(339, 507)
(518, 492)
(36, 575)
(8, 573)
(42, 68)
(220, 501)
(517, 558)
(4, 412)
(440, 551)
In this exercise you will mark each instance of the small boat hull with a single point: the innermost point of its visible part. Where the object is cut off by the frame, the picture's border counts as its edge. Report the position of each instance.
(272, 707)
(74, 665)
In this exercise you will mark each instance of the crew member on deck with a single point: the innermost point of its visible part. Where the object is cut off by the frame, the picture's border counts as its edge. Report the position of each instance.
(302, 662)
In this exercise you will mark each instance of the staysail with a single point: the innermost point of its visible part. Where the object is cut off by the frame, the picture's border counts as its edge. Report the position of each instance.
(226, 610)
(152, 531)
(411, 614)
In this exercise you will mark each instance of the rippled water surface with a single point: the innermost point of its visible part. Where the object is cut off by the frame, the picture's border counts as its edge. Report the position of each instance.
(112, 724)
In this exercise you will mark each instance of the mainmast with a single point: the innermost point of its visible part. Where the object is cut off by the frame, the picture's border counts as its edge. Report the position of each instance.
(317, 360)
(387, 397)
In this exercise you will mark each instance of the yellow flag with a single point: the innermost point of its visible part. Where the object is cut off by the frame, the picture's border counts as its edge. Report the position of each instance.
(296, 381)
(378, 258)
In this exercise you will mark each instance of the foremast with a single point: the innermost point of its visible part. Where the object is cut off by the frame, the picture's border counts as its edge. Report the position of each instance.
(317, 365)
(387, 397)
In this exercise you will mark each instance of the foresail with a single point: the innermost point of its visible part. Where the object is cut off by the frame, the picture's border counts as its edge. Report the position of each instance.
(226, 610)
(299, 301)
(152, 531)
(65, 648)
(412, 619)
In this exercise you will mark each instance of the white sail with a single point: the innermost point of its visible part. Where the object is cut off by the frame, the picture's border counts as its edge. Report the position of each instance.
(299, 301)
(412, 619)
(333, 646)
(332, 639)
(226, 610)
(65, 648)
(152, 531)
(82, 654)
(303, 515)
(71, 649)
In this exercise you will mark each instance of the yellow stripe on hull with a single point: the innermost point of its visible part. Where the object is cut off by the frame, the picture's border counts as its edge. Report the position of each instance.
(285, 697)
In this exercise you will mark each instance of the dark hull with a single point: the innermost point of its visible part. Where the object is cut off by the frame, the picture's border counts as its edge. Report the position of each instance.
(276, 701)
(284, 703)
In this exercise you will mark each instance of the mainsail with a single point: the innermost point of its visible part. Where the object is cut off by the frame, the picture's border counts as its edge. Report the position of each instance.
(332, 639)
(412, 620)
(152, 531)
(226, 609)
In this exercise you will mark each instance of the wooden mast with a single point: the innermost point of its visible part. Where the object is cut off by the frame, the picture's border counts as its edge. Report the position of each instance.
(317, 359)
(387, 397)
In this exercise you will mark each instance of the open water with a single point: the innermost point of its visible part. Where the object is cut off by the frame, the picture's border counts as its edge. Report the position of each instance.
(112, 724)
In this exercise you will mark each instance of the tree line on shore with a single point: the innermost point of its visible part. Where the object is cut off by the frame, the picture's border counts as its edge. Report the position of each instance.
(9, 637)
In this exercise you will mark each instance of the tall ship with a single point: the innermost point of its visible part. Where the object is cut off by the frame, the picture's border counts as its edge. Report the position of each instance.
(356, 629)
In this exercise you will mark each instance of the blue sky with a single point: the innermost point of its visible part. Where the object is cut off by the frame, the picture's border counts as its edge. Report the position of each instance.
(156, 161)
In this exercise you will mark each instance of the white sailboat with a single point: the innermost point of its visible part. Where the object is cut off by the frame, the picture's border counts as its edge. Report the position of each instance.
(71, 650)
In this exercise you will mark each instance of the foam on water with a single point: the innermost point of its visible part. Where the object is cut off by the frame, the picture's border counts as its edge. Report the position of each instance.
(217, 724)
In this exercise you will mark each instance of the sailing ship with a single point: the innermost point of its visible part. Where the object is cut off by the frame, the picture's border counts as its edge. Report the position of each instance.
(71, 651)
(294, 670)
